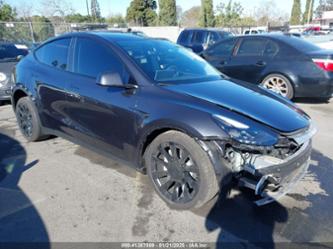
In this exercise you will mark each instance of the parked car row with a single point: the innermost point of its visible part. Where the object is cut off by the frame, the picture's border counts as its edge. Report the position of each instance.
(166, 111)
(283, 63)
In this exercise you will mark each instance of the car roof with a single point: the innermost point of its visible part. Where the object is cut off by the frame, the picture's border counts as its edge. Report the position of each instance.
(107, 35)
(278, 36)
(205, 29)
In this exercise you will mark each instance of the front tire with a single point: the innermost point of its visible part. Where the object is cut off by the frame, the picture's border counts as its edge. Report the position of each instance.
(279, 84)
(181, 171)
(28, 120)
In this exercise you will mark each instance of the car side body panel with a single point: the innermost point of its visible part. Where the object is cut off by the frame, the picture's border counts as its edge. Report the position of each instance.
(307, 79)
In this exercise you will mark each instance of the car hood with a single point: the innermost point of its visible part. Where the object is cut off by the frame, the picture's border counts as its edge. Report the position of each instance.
(250, 101)
(7, 66)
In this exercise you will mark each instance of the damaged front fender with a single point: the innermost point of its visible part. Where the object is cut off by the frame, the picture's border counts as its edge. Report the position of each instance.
(272, 171)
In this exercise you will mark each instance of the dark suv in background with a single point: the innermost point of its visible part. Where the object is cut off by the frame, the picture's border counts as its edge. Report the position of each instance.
(9, 56)
(200, 39)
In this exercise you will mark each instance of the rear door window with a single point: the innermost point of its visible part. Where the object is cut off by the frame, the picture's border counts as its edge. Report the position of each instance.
(224, 48)
(271, 49)
(252, 47)
(55, 53)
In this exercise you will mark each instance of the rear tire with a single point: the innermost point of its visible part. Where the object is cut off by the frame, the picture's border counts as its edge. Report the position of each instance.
(28, 120)
(181, 171)
(279, 84)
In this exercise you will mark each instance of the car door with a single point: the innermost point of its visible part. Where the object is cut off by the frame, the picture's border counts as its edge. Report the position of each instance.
(219, 55)
(50, 76)
(101, 116)
(248, 61)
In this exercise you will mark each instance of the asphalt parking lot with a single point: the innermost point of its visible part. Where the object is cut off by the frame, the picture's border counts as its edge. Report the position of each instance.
(60, 192)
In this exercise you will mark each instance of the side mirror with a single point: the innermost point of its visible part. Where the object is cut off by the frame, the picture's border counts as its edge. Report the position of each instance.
(19, 57)
(113, 79)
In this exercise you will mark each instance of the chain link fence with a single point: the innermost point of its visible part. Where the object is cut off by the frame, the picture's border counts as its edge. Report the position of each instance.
(36, 32)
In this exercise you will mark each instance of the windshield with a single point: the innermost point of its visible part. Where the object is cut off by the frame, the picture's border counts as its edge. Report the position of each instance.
(165, 62)
(10, 51)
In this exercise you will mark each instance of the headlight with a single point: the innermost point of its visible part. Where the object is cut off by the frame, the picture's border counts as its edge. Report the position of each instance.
(3, 77)
(249, 133)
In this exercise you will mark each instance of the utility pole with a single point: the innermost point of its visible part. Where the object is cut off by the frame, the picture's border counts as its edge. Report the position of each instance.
(32, 32)
(87, 4)
(309, 11)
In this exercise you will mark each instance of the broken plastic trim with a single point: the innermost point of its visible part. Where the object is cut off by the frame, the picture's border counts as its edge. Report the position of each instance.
(273, 182)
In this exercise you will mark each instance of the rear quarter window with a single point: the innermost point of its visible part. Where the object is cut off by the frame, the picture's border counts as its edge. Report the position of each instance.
(54, 54)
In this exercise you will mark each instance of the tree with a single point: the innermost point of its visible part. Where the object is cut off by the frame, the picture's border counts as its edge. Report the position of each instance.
(168, 13)
(229, 14)
(7, 13)
(308, 13)
(190, 17)
(77, 18)
(56, 9)
(269, 13)
(324, 5)
(179, 13)
(295, 18)
(207, 18)
(142, 12)
(95, 11)
(117, 21)
(42, 28)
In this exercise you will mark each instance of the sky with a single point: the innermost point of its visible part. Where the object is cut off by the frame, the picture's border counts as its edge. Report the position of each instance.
(119, 6)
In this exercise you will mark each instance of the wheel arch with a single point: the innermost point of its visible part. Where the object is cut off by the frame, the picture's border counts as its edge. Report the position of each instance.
(153, 132)
(159, 127)
(18, 94)
(293, 79)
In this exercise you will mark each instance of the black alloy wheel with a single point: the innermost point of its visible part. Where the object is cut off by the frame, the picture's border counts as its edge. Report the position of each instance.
(28, 120)
(175, 173)
(24, 118)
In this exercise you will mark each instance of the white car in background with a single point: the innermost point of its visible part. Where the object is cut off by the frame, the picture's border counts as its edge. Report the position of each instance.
(254, 32)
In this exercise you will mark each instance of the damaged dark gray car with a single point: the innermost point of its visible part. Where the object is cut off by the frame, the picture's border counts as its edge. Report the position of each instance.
(164, 111)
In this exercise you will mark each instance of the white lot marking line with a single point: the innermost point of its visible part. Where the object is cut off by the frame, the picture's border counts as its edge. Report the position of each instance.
(20, 208)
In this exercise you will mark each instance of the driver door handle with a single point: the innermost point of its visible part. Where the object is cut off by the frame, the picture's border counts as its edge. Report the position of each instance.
(261, 63)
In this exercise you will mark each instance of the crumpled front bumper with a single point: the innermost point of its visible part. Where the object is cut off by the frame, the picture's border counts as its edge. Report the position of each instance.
(273, 182)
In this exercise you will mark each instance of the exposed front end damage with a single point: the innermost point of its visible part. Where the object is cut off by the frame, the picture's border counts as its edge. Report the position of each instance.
(272, 171)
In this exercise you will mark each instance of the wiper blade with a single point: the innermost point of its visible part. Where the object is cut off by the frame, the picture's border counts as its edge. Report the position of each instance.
(226, 77)
(164, 84)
